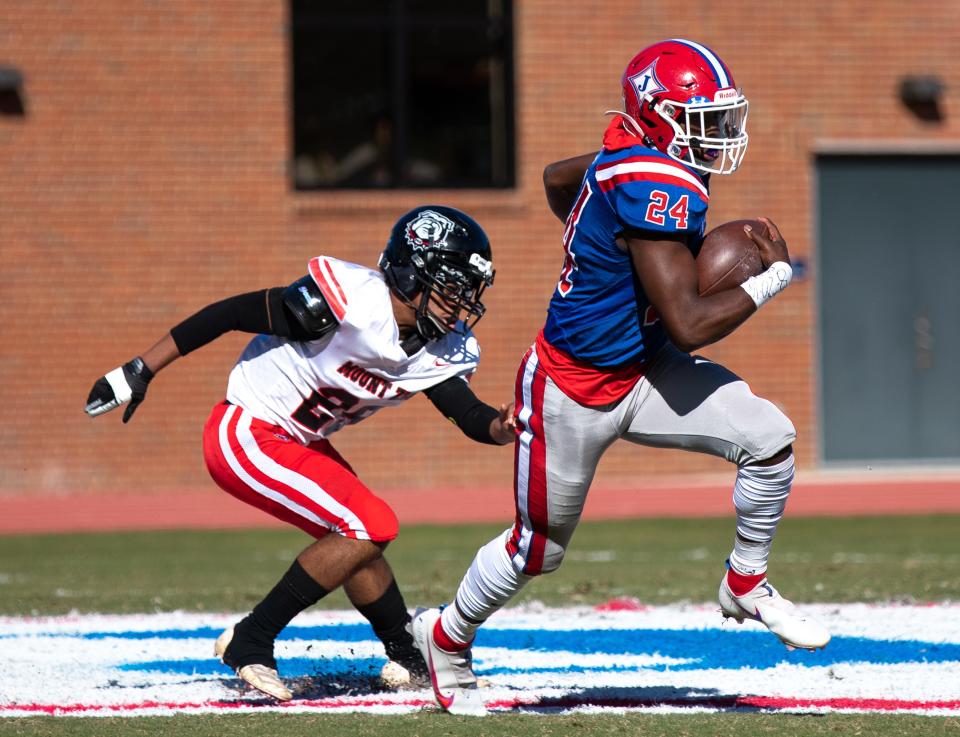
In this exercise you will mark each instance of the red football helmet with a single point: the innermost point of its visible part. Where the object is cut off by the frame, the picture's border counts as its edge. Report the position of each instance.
(681, 99)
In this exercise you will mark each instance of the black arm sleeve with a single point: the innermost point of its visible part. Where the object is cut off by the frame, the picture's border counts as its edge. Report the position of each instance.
(457, 402)
(248, 312)
(264, 311)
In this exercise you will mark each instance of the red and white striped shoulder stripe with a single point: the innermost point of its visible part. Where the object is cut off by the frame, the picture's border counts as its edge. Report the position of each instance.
(649, 169)
(323, 275)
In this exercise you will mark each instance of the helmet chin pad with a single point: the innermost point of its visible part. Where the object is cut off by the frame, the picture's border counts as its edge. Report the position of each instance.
(401, 279)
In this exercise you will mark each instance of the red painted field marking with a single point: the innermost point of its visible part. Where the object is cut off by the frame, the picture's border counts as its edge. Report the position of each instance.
(723, 702)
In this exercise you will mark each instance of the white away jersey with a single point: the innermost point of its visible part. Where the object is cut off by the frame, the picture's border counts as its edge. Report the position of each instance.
(313, 388)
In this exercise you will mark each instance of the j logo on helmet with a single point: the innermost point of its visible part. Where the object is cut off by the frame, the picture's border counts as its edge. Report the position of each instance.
(645, 82)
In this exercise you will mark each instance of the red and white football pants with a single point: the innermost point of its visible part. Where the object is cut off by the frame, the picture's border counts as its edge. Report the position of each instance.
(310, 486)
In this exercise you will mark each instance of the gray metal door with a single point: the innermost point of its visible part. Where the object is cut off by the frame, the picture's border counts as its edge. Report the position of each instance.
(889, 281)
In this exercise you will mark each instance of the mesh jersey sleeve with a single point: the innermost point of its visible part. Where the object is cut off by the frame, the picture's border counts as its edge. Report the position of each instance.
(654, 194)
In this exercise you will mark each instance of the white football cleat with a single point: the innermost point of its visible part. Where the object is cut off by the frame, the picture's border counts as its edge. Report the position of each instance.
(764, 604)
(261, 677)
(451, 673)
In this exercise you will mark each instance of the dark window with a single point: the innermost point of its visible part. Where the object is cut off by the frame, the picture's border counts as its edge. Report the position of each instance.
(402, 94)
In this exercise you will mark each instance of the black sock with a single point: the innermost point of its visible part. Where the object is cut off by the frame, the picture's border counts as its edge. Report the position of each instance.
(388, 616)
(293, 593)
(253, 636)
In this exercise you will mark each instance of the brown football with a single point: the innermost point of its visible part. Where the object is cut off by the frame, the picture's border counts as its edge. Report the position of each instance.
(728, 257)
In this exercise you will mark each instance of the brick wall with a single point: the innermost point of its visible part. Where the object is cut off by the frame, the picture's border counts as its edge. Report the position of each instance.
(148, 178)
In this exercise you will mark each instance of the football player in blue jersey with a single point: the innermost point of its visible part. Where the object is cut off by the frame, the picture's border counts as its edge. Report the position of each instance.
(613, 359)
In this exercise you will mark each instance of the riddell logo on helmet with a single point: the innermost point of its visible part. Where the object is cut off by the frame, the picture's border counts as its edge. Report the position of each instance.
(725, 95)
(428, 228)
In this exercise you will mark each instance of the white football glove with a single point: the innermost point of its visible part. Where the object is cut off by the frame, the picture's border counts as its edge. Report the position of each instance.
(128, 383)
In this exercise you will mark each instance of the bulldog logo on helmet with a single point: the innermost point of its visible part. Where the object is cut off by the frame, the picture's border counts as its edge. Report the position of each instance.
(427, 229)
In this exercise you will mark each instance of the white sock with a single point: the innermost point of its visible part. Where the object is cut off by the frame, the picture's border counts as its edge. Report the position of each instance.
(489, 584)
(759, 495)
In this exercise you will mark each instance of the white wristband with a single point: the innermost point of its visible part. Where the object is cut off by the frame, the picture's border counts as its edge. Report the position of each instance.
(771, 282)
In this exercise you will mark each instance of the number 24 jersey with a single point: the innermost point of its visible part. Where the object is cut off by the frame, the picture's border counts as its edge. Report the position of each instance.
(599, 312)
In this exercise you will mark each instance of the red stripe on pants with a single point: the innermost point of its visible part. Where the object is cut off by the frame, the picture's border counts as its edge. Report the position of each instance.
(331, 522)
(536, 490)
(537, 511)
(318, 462)
(513, 544)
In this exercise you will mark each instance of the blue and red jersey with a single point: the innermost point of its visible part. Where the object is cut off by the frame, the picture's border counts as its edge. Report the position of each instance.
(599, 315)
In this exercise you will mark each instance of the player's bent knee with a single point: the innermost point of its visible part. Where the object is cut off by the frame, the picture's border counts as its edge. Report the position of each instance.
(378, 521)
(779, 457)
(552, 557)
(770, 433)
(540, 555)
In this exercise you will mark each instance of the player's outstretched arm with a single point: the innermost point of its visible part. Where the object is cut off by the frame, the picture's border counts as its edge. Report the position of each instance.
(298, 312)
(128, 383)
(561, 182)
(476, 419)
(668, 272)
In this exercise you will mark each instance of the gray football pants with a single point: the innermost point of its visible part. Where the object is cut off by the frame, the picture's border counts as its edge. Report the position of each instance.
(683, 402)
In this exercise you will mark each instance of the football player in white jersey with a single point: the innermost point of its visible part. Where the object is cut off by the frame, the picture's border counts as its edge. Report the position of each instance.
(332, 348)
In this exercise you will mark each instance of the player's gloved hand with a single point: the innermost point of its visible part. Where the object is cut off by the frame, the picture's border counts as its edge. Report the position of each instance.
(771, 244)
(128, 383)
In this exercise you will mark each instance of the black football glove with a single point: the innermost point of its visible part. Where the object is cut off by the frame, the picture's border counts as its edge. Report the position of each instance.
(125, 384)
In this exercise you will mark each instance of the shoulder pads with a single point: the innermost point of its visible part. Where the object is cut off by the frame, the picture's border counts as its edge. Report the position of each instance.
(307, 304)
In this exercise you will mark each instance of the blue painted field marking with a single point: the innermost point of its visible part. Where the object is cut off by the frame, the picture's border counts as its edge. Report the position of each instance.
(660, 661)
(719, 648)
(289, 667)
(702, 649)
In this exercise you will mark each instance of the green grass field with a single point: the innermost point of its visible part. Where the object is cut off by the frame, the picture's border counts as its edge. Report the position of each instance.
(656, 561)
(499, 725)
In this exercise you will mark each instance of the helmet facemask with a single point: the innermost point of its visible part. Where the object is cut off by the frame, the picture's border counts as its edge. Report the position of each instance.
(449, 292)
(708, 136)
